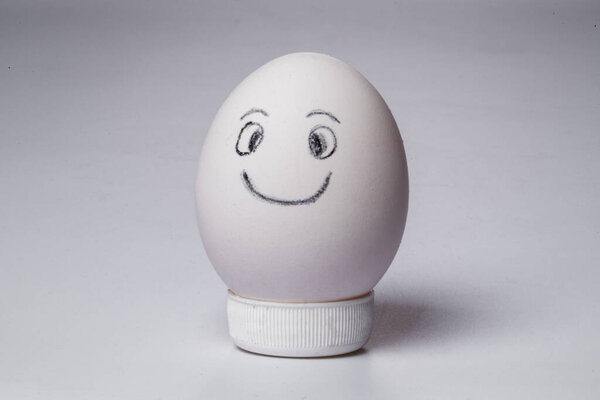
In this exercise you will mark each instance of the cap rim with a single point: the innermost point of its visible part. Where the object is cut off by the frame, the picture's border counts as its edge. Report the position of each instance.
(315, 329)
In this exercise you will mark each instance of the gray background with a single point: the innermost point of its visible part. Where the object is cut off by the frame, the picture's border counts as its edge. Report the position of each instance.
(106, 292)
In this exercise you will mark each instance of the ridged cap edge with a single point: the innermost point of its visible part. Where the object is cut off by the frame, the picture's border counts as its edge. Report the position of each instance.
(300, 329)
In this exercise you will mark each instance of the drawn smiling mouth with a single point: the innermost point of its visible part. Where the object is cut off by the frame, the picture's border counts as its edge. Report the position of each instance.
(283, 202)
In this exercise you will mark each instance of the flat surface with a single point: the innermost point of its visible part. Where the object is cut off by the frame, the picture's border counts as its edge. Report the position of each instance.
(106, 292)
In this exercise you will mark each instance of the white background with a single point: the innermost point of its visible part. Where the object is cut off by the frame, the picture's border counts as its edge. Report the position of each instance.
(106, 292)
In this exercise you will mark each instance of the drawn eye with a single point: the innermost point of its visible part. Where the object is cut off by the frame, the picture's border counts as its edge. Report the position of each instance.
(250, 137)
(322, 142)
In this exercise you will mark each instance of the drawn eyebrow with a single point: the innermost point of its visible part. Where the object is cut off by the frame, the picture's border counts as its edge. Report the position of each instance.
(255, 110)
(323, 112)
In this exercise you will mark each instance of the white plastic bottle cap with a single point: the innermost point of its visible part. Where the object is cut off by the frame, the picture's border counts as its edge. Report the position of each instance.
(300, 329)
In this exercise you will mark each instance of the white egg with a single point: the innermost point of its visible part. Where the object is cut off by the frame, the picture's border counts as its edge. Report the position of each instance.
(302, 188)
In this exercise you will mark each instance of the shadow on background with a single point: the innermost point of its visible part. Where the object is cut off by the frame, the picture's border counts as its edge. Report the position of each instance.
(407, 321)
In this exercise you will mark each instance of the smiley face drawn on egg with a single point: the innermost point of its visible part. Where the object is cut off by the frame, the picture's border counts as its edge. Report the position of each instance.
(322, 143)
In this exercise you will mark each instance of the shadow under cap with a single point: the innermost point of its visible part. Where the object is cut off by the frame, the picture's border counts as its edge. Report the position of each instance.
(415, 320)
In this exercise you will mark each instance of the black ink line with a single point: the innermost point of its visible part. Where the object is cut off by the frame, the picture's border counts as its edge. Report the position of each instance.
(255, 110)
(323, 112)
(313, 131)
(237, 144)
(308, 200)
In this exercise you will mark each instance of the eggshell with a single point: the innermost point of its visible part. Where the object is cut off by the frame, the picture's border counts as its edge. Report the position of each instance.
(309, 202)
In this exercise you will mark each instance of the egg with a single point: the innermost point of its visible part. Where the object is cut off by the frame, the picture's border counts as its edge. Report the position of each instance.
(302, 186)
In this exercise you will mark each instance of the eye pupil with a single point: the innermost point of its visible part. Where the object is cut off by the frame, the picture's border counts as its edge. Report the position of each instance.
(317, 145)
(254, 140)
